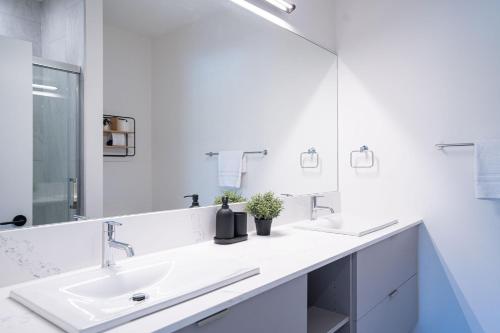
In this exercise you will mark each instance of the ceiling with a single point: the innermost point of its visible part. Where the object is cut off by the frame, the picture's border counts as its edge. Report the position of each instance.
(157, 17)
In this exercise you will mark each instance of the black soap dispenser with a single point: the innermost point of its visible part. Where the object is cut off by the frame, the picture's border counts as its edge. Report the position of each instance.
(195, 202)
(224, 224)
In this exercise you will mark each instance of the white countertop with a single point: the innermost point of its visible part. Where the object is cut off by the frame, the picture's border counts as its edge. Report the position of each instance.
(287, 254)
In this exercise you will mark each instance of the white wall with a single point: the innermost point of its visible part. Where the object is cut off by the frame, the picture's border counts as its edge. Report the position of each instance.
(16, 105)
(251, 87)
(312, 19)
(413, 74)
(127, 92)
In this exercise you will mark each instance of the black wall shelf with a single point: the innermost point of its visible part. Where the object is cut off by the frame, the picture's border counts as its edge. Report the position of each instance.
(126, 150)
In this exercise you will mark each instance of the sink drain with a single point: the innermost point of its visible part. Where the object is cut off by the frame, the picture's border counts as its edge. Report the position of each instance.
(139, 297)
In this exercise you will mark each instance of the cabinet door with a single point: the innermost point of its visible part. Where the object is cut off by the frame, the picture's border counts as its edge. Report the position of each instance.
(396, 314)
(383, 267)
(282, 309)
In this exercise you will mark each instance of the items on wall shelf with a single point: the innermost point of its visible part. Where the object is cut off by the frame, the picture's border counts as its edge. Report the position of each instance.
(441, 146)
(311, 155)
(263, 152)
(363, 150)
(119, 137)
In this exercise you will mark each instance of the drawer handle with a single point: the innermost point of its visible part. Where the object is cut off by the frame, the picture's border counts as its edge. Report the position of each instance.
(214, 317)
(393, 293)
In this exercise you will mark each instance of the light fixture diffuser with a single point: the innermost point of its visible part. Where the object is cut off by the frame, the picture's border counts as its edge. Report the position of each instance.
(43, 87)
(264, 14)
(282, 5)
(46, 94)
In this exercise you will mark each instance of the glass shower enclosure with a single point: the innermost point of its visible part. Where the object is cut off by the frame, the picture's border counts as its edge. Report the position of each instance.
(56, 141)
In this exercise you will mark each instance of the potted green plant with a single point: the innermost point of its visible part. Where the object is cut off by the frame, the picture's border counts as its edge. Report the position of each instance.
(233, 197)
(264, 208)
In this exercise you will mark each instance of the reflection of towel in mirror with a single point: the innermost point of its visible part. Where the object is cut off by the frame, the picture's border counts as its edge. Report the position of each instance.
(231, 166)
(118, 139)
(487, 169)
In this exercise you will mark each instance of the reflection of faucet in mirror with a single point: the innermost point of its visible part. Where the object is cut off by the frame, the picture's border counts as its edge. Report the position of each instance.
(195, 202)
(108, 242)
(315, 207)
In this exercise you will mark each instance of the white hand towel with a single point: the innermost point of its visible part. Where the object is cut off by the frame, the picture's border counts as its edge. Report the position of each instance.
(487, 169)
(118, 139)
(231, 166)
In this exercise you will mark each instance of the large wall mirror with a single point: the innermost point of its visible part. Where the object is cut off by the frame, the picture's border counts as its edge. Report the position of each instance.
(200, 97)
(202, 77)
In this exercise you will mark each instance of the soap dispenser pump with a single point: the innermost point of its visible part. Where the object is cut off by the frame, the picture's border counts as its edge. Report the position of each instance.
(195, 202)
(224, 225)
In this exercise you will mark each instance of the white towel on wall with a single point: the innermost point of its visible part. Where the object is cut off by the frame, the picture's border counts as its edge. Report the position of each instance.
(232, 164)
(118, 139)
(487, 169)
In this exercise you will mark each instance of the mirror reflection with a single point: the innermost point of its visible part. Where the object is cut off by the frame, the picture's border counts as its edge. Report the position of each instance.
(200, 98)
(209, 84)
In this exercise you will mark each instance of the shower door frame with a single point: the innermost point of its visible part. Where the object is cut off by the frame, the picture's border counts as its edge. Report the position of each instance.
(74, 69)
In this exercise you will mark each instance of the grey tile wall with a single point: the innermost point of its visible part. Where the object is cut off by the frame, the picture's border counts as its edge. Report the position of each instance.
(62, 30)
(54, 27)
(21, 19)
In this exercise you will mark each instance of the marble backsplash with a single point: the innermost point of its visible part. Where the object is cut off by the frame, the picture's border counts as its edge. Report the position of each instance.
(31, 253)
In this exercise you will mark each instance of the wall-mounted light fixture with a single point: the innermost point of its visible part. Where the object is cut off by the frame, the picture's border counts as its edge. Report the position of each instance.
(264, 14)
(283, 5)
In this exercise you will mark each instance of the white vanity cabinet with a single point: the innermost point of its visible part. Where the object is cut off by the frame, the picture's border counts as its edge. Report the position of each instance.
(281, 309)
(385, 289)
(374, 290)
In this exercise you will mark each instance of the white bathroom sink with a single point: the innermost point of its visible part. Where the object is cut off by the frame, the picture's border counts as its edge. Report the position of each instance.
(99, 299)
(347, 224)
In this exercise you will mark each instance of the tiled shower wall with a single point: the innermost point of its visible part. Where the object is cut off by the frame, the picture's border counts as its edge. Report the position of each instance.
(22, 19)
(54, 27)
(62, 24)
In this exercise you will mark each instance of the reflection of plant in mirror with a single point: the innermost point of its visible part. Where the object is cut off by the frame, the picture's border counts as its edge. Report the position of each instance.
(233, 197)
(264, 206)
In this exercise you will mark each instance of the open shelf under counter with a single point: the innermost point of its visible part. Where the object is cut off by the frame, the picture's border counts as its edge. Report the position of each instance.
(324, 321)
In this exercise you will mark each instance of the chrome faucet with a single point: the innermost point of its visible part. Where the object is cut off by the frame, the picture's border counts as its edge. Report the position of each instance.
(315, 207)
(109, 242)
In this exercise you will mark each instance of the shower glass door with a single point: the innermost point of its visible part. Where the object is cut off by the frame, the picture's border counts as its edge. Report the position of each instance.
(56, 142)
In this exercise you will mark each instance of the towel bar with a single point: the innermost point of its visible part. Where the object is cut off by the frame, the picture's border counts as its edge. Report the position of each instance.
(263, 152)
(441, 146)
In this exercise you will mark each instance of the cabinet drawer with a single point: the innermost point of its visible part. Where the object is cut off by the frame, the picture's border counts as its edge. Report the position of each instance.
(383, 267)
(396, 314)
(282, 309)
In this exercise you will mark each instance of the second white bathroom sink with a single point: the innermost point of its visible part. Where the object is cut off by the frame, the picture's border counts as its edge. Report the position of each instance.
(347, 224)
(98, 299)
